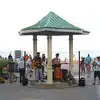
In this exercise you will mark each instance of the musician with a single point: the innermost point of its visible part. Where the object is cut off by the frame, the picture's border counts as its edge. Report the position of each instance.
(57, 68)
(38, 61)
(43, 62)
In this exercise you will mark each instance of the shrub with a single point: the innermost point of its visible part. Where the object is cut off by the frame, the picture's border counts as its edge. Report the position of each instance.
(3, 63)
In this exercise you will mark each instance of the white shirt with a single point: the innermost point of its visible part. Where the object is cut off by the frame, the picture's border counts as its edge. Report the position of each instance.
(97, 68)
(20, 64)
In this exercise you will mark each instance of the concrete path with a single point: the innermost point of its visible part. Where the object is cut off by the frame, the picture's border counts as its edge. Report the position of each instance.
(18, 92)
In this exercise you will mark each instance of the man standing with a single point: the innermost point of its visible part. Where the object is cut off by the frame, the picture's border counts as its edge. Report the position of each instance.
(11, 67)
(88, 61)
(43, 62)
(21, 69)
(96, 69)
(38, 61)
(10, 57)
(57, 68)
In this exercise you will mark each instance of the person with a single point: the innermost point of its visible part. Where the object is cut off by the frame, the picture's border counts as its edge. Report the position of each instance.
(43, 57)
(96, 70)
(26, 57)
(28, 66)
(10, 57)
(88, 61)
(30, 57)
(11, 66)
(82, 64)
(57, 68)
(43, 62)
(20, 64)
(94, 63)
(38, 61)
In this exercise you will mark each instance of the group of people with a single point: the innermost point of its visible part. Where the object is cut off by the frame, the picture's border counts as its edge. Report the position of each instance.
(86, 63)
(38, 64)
(91, 65)
(29, 64)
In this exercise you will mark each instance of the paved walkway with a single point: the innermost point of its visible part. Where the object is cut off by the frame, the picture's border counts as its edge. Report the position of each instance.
(17, 92)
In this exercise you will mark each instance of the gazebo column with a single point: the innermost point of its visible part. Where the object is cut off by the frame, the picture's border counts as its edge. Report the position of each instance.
(49, 54)
(70, 52)
(34, 45)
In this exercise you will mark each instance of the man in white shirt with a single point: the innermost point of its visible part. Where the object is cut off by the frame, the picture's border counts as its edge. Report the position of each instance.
(97, 70)
(21, 69)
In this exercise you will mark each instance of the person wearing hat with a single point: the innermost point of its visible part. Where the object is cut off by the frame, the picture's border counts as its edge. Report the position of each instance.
(96, 70)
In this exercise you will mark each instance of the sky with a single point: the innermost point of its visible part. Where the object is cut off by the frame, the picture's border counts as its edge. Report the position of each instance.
(18, 14)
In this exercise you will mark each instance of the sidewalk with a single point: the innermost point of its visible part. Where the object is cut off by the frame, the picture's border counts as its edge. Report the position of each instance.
(17, 92)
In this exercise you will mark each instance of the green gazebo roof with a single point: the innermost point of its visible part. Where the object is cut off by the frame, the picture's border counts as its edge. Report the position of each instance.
(52, 24)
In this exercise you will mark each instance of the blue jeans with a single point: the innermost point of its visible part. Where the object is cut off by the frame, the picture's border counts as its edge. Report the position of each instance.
(39, 74)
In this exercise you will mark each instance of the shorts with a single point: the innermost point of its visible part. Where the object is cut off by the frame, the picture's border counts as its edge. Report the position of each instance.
(97, 73)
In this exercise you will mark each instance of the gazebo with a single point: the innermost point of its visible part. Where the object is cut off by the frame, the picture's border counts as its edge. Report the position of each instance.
(53, 25)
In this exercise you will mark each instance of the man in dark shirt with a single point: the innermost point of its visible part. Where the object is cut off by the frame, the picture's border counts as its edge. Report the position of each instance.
(38, 61)
(10, 57)
(43, 62)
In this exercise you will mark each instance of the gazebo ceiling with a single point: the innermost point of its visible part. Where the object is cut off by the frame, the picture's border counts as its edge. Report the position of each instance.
(52, 24)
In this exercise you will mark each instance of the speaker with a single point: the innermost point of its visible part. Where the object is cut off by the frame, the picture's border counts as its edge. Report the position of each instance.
(82, 81)
(25, 82)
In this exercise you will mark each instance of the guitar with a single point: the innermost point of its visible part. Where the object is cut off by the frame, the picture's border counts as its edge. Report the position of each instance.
(34, 65)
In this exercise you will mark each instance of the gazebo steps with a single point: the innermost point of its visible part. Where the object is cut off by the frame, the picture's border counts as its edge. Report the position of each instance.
(52, 86)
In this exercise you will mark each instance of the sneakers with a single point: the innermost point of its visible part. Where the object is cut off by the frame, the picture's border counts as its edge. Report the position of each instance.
(42, 81)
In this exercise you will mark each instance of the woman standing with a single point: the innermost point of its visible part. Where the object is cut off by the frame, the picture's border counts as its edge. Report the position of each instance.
(82, 66)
